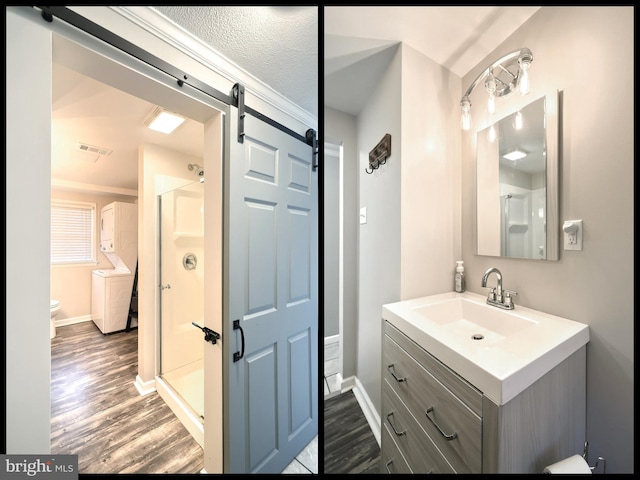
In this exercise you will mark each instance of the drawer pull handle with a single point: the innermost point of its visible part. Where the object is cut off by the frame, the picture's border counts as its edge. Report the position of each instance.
(448, 437)
(398, 379)
(387, 465)
(394, 427)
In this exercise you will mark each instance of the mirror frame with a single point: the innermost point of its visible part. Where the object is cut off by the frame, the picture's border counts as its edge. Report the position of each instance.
(552, 132)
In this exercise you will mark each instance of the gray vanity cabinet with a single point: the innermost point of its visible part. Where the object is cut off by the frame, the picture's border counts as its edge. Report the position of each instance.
(435, 421)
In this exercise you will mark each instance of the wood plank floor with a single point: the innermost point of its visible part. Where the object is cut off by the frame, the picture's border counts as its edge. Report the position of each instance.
(349, 443)
(98, 414)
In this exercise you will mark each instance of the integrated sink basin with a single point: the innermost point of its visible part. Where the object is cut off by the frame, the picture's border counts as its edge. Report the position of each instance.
(463, 316)
(501, 352)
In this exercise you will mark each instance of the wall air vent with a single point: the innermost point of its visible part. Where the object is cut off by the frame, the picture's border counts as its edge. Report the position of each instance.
(93, 149)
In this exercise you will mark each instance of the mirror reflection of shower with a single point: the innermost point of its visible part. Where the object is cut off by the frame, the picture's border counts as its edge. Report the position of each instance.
(504, 250)
(199, 171)
(523, 224)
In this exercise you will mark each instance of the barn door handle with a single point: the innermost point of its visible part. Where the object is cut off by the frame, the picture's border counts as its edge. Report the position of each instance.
(238, 355)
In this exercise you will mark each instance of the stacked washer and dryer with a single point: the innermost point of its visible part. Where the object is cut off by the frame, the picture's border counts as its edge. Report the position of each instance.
(112, 289)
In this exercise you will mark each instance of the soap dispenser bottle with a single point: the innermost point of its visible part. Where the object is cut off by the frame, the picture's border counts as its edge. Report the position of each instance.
(459, 282)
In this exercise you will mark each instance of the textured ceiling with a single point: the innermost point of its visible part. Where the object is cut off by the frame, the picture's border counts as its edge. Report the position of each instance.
(276, 44)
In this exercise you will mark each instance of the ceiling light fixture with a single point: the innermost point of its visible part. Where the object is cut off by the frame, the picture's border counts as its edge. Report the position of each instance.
(515, 155)
(502, 77)
(162, 120)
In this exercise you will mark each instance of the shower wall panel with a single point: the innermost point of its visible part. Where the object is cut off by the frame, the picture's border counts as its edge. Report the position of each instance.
(182, 286)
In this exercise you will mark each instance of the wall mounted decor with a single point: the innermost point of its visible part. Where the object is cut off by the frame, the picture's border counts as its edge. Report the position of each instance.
(378, 156)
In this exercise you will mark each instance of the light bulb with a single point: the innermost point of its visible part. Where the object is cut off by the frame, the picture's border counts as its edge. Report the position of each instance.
(490, 85)
(517, 121)
(523, 81)
(491, 104)
(465, 119)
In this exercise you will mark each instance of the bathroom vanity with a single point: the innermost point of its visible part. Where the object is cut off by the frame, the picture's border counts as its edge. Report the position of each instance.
(470, 388)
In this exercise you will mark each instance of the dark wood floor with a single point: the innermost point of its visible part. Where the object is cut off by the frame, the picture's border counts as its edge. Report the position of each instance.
(349, 443)
(98, 414)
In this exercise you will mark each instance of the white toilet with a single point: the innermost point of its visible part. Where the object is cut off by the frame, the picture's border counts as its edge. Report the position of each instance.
(55, 308)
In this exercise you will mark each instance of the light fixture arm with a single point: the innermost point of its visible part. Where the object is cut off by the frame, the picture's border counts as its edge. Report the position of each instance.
(523, 54)
(513, 68)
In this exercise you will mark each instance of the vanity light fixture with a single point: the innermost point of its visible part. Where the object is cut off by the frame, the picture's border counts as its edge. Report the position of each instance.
(502, 77)
(515, 155)
(162, 120)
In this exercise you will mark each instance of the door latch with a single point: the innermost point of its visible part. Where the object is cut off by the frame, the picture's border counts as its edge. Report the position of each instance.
(209, 335)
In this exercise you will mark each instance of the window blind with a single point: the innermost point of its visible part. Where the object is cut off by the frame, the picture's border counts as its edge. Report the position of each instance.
(72, 233)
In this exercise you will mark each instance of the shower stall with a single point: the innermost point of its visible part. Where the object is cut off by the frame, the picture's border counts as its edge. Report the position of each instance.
(181, 275)
(515, 225)
(523, 222)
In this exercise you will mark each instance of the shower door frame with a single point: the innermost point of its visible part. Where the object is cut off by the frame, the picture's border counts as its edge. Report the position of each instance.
(191, 416)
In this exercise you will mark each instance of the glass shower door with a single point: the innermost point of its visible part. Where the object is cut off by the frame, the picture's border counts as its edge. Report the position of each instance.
(182, 292)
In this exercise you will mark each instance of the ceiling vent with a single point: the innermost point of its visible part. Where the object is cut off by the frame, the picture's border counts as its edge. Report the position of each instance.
(93, 149)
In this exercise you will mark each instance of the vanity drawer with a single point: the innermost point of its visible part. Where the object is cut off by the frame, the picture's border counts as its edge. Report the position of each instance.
(453, 427)
(419, 450)
(469, 394)
(391, 460)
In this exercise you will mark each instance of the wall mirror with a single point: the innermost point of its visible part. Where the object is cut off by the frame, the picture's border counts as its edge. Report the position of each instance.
(517, 183)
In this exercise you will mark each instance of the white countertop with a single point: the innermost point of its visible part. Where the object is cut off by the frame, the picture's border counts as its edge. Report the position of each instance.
(499, 366)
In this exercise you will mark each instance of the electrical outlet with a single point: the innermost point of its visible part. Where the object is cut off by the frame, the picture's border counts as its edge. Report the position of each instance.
(572, 234)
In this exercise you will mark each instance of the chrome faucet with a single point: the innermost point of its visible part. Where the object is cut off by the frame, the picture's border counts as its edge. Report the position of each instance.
(497, 296)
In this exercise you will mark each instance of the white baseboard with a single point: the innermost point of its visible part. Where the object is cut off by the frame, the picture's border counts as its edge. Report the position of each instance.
(368, 409)
(71, 320)
(347, 384)
(145, 388)
(83, 318)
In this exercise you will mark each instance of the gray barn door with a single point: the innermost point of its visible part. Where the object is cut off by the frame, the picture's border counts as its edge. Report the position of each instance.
(271, 293)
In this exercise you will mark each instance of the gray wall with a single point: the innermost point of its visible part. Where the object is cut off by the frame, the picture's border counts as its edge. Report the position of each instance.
(379, 239)
(587, 52)
(410, 240)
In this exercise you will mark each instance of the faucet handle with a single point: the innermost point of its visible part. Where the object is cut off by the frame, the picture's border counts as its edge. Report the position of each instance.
(507, 296)
(492, 293)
